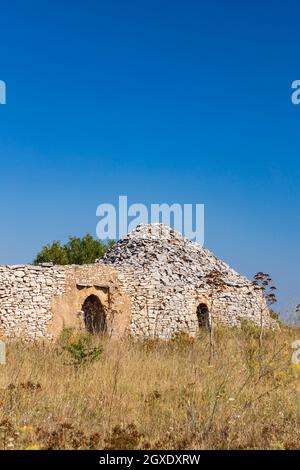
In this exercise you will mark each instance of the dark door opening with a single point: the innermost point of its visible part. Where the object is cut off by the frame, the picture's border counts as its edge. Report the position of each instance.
(203, 316)
(94, 315)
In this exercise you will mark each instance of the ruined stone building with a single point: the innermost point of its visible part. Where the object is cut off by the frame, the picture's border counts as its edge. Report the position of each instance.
(152, 283)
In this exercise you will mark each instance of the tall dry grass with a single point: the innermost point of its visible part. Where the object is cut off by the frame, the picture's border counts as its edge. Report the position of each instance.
(151, 394)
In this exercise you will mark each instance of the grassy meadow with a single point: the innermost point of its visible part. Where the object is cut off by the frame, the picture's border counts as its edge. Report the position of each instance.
(83, 392)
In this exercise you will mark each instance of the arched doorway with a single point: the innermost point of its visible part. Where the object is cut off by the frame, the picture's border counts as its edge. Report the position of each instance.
(94, 315)
(203, 316)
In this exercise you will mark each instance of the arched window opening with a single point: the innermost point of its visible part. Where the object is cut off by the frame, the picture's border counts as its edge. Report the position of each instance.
(203, 316)
(94, 315)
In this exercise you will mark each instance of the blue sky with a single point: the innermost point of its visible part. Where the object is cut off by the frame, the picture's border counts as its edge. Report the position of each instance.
(162, 101)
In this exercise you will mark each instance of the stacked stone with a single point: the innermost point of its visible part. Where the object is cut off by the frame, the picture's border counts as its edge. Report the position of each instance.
(26, 294)
(166, 275)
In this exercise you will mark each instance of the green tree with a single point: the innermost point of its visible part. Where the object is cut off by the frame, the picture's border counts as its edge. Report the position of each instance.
(77, 250)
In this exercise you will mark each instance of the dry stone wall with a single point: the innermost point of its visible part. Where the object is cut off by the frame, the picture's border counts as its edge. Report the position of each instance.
(26, 294)
(37, 302)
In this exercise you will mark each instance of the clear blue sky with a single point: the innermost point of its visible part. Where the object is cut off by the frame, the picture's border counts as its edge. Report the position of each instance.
(165, 101)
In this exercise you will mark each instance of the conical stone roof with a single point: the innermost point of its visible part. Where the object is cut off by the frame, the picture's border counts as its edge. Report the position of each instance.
(169, 277)
(168, 255)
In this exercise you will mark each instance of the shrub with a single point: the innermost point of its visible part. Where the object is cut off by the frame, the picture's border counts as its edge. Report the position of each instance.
(77, 251)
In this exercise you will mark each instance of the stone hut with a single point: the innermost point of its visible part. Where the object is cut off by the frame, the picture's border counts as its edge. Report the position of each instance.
(154, 283)
(175, 285)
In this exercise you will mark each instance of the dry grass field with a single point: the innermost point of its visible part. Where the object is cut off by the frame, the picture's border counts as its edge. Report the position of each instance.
(89, 393)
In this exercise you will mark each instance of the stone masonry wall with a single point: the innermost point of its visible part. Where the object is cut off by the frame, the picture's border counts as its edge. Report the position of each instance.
(26, 294)
(37, 302)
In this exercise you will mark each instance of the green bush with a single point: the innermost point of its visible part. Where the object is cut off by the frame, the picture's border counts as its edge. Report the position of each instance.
(76, 251)
(80, 347)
